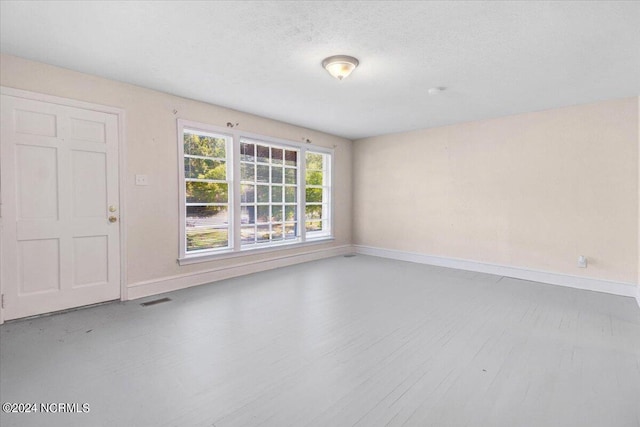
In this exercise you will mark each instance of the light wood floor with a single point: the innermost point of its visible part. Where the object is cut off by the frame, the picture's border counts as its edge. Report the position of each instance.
(340, 342)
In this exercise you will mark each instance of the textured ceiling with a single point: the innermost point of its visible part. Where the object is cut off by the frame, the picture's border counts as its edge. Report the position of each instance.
(494, 58)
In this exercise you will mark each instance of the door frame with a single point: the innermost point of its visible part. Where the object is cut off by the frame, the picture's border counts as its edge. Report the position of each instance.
(120, 114)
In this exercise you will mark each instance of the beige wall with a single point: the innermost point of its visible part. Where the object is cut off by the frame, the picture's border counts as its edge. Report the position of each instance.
(151, 144)
(532, 190)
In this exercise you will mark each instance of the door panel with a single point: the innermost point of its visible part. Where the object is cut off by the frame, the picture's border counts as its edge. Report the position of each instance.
(89, 177)
(90, 261)
(37, 179)
(38, 264)
(59, 181)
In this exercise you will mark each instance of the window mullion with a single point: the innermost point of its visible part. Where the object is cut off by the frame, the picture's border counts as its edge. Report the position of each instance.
(302, 193)
(235, 196)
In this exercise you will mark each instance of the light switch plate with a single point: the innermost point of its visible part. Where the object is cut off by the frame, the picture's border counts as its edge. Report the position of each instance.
(142, 180)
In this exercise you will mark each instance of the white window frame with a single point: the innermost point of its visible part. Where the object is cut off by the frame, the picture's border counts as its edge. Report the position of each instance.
(327, 194)
(270, 184)
(235, 248)
(182, 124)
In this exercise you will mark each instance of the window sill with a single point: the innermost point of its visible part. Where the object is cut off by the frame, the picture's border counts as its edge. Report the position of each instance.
(196, 259)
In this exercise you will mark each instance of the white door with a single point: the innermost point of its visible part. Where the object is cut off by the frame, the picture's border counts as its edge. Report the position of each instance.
(59, 186)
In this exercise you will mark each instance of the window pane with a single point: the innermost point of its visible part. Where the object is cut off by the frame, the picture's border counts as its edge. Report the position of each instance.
(203, 216)
(206, 192)
(205, 169)
(276, 213)
(248, 215)
(263, 214)
(276, 155)
(248, 234)
(290, 213)
(314, 195)
(206, 238)
(262, 154)
(290, 231)
(314, 226)
(313, 212)
(262, 173)
(247, 172)
(277, 232)
(276, 174)
(290, 175)
(263, 233)
(314, 161)
(247, 151)
(290, 194)
(314, 177)
(203, 145)
(291, 158)
(204, 227)
(276, 194)
(247, 193)
(263, 193)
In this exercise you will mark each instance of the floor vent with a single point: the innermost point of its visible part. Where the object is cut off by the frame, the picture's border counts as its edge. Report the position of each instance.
(350, 255)
(155, 301)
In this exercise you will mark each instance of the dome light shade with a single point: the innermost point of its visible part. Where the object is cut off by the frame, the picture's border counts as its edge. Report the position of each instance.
(340, 66)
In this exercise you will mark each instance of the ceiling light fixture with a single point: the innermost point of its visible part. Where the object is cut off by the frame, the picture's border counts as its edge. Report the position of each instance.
(340, 66)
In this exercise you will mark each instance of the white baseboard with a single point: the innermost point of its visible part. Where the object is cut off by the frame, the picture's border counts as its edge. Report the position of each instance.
(173, 283)
(598, 285)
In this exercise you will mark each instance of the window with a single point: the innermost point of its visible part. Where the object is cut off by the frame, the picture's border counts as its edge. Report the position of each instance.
(242, 192)
(206, 181)
(269, 192)
(318, 187)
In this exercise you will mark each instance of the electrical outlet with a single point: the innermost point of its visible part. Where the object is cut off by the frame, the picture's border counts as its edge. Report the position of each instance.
(142, 180)
(582, 261)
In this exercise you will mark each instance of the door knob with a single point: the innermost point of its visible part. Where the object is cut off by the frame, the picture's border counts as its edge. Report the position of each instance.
(113, 218)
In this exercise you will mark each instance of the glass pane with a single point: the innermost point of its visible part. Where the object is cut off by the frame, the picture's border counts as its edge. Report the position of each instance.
(314, 160)
(248, 235)
(290, 213)
(276, 174)
(313, 226)
(248, 215)
(276, 194)
(205, 169)
(263, 214)
(276, 155)
(247, 193)
(290, 176)
(314, 195)
(203, 145)
(206, 192)
(291, 158)
(263, 193)
(290, 231)
(247, 172)
(262, 173)
(262, 153)
(247, 151)
(276, 213)
(277, 232)
(314, 177)
(206, 238)
(313, 212)
(207, 216)
(263, 233)
(290, 194)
